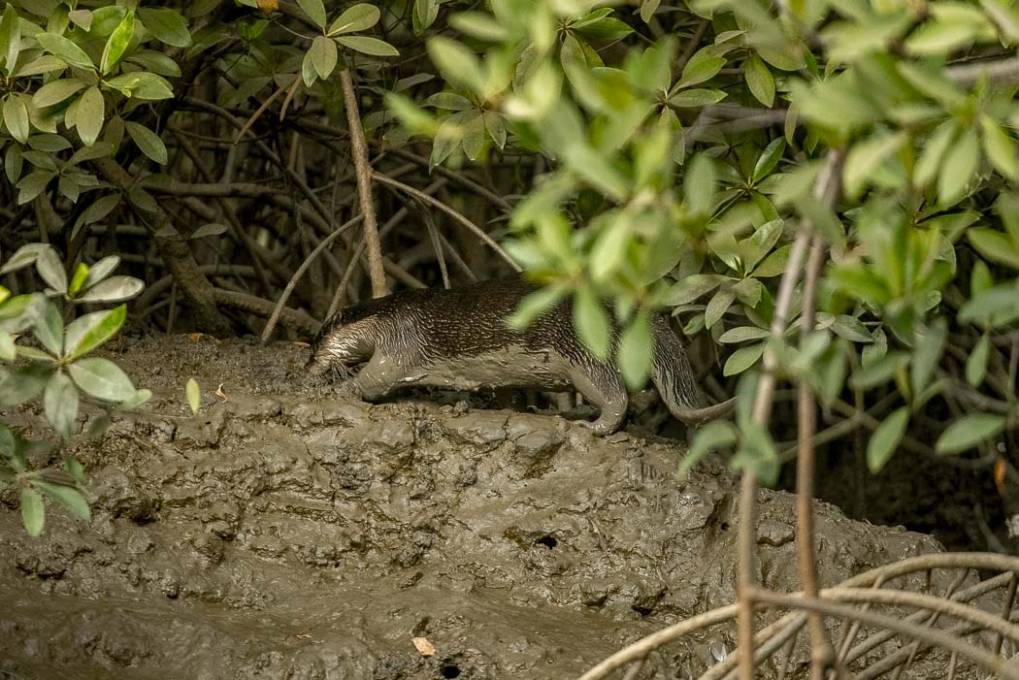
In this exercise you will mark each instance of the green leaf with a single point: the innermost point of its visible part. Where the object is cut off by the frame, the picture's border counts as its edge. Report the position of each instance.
(742, 359)
(69, 497)
(635, 352)
(323, 56)
(478, 25)
(91, 112)
(864, 159)
(167, 25)
(937, 144)
(718, 306)
(316, 10)
(16, 117)
(958, 168)
(23, 383)
(886, 438)
(610, 248)
(424, 15)
(142, 85)
(699, 185)
(33, 513)
(33, 184)
(976, 362)
(703, 65)
(759, 80)
(51, 269)
(113, 289)
(648, 9)
(148, 142)
(936, 38)
(49, 330)
(692, 287)
(10, 38)
(55, 92)
(592, 323)
(1004, 17)
(366, 45)
(117, 43)
(359, 17)
(60, 402)
(102, 379)
(1000, 148)
(61, 47)
(714, 435)
(879, 371)
(456, 63)
(851, 328)
(47, 63)
(534, 305)
(89, 331)
(474, 139)
(308, 74)
(596, 170)
(78, 279)
(743, 333)
(969, 431)
(994, 245)
(194, 395)
(768, 160)
(13, 163)
(999, 304)
(496, 128)
(696, 98)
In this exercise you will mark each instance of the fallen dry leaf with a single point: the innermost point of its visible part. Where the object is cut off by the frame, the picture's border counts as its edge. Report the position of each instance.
(424, 647)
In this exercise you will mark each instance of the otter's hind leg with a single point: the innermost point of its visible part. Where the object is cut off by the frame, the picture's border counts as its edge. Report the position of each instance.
(604, 388)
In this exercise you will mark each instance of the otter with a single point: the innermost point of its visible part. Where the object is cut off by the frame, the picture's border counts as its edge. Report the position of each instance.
(458, 339)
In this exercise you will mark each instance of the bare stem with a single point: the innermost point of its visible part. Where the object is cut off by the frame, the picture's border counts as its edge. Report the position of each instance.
(359, 150)
(826, 188)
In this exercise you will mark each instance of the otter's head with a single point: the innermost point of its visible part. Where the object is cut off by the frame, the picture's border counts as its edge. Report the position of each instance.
(337, 348)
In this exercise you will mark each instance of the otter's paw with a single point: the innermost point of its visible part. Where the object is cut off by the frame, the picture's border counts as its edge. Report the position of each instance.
(598, 427)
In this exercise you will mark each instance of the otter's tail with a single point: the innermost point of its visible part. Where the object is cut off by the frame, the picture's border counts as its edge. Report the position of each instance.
(674, 377)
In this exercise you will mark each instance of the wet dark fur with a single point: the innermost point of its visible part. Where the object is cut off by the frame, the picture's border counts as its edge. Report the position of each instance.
(405, 334)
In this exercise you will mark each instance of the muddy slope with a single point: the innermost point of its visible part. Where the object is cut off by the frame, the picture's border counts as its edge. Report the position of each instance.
(291, 532)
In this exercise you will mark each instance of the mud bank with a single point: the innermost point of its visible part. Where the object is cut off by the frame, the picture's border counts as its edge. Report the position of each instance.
(288, 531)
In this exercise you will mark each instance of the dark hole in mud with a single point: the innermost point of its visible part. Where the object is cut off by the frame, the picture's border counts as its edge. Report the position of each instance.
(547, 541)
(725, 526)
(450, 671)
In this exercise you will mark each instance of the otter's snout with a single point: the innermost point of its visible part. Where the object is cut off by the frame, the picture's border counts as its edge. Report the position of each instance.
(315, 366)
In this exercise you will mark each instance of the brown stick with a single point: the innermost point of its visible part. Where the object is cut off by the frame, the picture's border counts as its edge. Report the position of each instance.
(359, 150)
(763, 400)
(822, 653)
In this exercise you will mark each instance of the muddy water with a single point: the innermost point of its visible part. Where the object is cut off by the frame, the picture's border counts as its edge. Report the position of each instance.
(289, 531)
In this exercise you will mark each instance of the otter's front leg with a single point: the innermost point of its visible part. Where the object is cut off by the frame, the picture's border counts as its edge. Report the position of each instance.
(378, 377)
(604, 388)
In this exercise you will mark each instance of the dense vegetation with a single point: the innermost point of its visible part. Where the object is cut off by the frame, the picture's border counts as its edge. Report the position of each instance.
(241, 155)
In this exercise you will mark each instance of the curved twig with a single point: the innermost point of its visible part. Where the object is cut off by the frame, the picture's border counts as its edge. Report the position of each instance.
(271, 323)
(425, 198)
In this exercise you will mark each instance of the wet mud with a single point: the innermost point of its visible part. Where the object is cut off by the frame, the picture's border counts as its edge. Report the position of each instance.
(291, 531)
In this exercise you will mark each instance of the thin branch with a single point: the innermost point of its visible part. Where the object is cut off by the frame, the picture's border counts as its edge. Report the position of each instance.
(359, 150)
(822, 653)
(425, 198)
(827, 185)
(271, 323)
